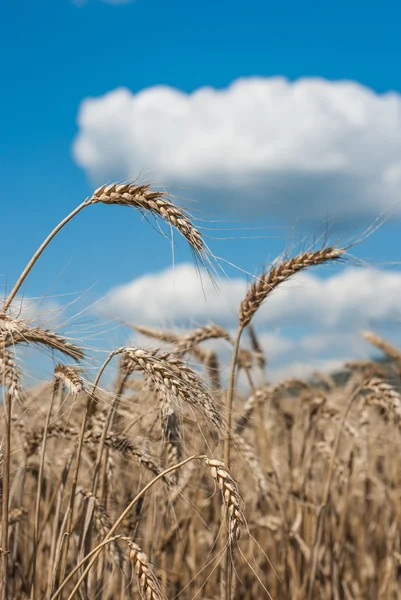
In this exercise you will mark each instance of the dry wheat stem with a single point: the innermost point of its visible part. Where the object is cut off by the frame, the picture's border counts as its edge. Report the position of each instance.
(122, 378)
(230, 396)
(37, 254)
(225, 571)
(102, 524)
(55, 555)
(56, 386)
(5, 496)
(74, 484)
(10, 377)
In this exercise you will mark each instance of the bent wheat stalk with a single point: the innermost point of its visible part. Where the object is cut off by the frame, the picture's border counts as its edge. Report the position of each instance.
(69, 377)
(5, 497)
(141, 197)
(10, 377)
(70, 510)
(257, 294)
(56, 385)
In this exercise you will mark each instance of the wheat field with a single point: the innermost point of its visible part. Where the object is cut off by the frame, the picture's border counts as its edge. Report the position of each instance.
(171, 482)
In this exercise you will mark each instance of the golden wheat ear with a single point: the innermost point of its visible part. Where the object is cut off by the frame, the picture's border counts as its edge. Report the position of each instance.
(148, 584)
(17, 331)
(144, 198)
(269, 281)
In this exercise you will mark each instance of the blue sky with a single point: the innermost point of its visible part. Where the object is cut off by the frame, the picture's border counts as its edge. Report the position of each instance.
(59, 54)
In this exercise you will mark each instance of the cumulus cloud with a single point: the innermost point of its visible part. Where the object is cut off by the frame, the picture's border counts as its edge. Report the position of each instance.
(308, 148)
(355, 295)
(310, 322)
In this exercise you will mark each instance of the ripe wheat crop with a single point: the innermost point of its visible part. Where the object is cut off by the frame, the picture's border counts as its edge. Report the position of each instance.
(170, 483)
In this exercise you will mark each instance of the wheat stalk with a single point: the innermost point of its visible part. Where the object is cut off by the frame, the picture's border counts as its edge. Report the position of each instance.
(137, 196)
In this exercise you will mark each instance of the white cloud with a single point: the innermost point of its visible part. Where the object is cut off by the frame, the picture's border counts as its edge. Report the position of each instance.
(311, 148)
(360, 296)
(310, 322)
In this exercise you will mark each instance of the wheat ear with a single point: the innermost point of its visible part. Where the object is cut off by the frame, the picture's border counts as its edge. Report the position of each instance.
(269, 281)
(144, 198)
(148, 584)
(9, 373)
(17, 331)
(231, 497)
(173, 380)
(102, 524)
(194, 338)
(384, 396)
(391, 351)
(120, 443)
